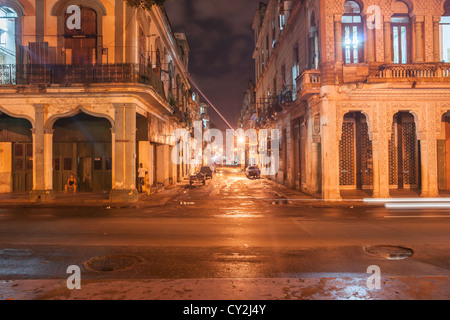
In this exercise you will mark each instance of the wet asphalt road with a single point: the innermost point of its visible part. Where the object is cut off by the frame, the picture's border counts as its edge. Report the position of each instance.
(231, 228)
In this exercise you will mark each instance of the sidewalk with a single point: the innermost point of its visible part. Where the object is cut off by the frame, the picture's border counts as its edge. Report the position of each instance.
(355, 288)
(21, 200)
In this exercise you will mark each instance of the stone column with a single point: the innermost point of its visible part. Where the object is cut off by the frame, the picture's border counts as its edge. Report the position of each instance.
(330, 153)
(370, 45)
(42, 159)
(419, 39)
(387, 40)
(338, 38)
(424, 168)
(124, 154)
(380, 167)
(163, 164)
(436, 40)
(131, 36)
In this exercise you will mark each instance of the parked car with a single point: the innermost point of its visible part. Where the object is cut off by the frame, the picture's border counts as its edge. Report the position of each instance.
(197, 177)
(253, 172)
(207, 171)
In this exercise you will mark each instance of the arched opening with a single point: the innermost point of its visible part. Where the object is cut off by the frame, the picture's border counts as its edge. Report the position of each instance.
(352, 33)
(445, 33)
(404, 153)
(314, 54)
(401, 33)
(8, 19)
(82, 147)
(16, 154)
(356, 156)
(444, 154)
(80, 45)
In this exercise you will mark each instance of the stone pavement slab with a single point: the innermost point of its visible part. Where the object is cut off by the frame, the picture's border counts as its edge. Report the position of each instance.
(345, 288)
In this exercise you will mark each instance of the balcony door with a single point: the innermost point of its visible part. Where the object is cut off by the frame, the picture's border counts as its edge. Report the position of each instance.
(81, 44)
(401, 39)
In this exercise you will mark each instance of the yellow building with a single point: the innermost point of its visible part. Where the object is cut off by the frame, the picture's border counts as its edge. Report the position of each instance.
(90, 88)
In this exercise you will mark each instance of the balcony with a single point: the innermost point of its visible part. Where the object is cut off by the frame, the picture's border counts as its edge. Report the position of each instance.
(308, 84)
(425, 72)
(67, 75)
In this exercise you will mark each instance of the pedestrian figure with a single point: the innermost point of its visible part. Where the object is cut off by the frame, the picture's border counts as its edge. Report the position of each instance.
(71, 184)
(141, 175)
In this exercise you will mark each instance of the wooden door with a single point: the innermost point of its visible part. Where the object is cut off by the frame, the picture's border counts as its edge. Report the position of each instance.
(81, 44)
(22, 167)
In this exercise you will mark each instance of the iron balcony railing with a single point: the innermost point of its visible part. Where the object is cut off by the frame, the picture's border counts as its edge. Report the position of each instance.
(66, 75)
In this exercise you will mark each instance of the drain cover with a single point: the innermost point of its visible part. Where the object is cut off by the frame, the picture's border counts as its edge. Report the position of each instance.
(111, 263)
(390, 252)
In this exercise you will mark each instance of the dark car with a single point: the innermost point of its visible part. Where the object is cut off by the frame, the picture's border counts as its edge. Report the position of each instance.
(197, 177)
(207, 171)
(253, 172)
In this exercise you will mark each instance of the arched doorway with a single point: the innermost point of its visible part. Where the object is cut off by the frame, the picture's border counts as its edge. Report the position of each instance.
(404, 153)
(16, 156)
(82, 147)
(356, 156)
(444, 154)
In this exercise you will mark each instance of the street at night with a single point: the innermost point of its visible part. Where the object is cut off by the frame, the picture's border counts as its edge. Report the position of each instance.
(234, 238)
(206, 152)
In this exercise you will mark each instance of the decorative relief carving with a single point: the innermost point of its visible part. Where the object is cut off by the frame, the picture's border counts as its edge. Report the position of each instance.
(368, 110)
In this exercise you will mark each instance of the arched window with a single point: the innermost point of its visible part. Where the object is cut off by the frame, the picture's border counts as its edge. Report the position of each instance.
(81, 44)
(7, 35)
(313, 43)
(445, 33)
(353, 33)
(401, 33)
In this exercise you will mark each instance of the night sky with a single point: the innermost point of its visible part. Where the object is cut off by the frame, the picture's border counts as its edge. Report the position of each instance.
(221, 40)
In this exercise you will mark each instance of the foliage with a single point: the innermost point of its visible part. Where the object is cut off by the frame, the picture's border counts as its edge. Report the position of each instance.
(145, 4)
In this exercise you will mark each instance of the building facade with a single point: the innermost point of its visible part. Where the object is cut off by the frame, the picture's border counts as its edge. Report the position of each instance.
(248, 116)
(90, 88)
(360, 91)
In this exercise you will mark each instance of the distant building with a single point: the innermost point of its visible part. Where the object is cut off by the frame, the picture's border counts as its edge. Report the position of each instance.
(360, 91)
(204, 116)
(248, 114)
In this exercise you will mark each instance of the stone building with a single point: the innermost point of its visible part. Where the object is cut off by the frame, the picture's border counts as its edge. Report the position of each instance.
(360, 91)
(90, 88)
(247, 116)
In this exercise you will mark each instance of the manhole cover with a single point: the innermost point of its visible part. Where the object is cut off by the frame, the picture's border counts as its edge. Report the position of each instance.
(390, 252)
(111, 263)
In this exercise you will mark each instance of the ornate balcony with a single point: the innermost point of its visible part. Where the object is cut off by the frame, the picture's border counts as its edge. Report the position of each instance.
(427, 72)
(67, 75)
(308, 83)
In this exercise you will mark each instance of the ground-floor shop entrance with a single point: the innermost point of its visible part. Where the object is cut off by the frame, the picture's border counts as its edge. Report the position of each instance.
(82, 147)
